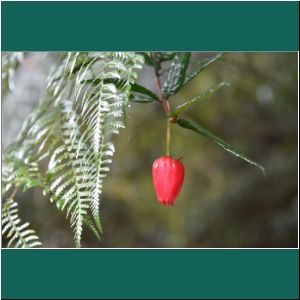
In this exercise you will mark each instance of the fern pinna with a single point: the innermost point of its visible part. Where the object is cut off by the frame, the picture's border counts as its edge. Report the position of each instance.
(85, 103)
(19, 235)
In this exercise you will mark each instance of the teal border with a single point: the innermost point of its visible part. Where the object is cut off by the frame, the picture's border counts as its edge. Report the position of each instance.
(133, 273)
(193, 26)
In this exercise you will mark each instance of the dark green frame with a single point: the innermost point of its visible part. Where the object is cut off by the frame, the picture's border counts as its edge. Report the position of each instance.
(186, 26)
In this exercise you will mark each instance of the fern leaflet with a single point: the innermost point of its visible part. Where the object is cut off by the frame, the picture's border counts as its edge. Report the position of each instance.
(19, 235)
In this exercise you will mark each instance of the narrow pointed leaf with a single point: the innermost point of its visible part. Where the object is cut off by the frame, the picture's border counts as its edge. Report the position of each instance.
(176, 75)
(201, 130)
(202, 65)
(165, 56)
(142, 94)
(204, 95)
(139, 93)
(140, 98)
(147, 58)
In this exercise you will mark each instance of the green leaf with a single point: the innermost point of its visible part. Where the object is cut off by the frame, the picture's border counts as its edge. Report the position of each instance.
(147, 57)
(142, 94)
(204, 95)
(176, 74)
(199, 129)
(202, 65)
(140, 98)
(165, 56)
(139, 93)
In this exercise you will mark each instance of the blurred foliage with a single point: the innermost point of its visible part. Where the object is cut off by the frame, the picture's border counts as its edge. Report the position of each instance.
(224, 201)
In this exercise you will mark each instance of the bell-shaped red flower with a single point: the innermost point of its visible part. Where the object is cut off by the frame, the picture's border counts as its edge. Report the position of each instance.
(168, 176)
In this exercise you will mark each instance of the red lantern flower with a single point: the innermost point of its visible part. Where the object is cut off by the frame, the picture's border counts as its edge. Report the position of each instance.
(168, 176)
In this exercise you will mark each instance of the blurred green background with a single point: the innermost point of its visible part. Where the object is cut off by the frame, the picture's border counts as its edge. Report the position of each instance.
(224, 202)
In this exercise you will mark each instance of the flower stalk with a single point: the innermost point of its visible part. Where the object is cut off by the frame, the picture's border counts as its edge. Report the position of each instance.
(166, 106)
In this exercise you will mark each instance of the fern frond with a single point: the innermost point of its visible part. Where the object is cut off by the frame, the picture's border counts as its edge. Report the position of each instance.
(19, 235)
(85, 104)
(17, 172)
(102, 109)
(21, 158)
(99, 86)
(71, 191)
(10, 62)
